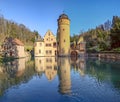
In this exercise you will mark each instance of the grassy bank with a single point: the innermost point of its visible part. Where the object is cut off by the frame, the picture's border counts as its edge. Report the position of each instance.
(6, 59)
(28, 47)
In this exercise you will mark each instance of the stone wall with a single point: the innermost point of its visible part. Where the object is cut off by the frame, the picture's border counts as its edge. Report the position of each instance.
(109, 55)
(105, 55)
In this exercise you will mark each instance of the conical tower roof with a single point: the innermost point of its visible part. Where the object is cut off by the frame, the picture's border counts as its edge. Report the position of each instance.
(63, 16)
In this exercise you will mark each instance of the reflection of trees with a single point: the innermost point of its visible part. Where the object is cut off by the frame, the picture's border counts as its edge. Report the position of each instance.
(9, 71)
(115, 74)
(101, 70)
(11, 68)
(104, 71)
(97, 69)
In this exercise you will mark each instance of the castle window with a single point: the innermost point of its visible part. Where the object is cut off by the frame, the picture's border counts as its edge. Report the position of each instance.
(49, 60)
(63, 29)
(40, 44)
(48, 44)
(55, 54)
(54, 44)
(46, 51)
(39, 51)
(50, 51)
(48, 67)
(39, 61)
(64, 40)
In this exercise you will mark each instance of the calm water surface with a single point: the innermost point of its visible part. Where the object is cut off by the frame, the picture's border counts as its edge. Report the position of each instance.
(49, 79)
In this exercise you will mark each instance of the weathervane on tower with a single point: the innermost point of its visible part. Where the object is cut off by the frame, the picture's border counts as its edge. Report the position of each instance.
(63, 11)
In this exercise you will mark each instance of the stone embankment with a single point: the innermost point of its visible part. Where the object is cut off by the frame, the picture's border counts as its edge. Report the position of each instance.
(105, 55)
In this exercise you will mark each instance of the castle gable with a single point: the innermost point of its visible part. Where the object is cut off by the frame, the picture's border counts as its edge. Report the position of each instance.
(49, 36)
(47, 47)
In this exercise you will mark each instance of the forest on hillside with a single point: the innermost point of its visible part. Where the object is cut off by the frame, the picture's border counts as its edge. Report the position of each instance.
(9, 28)
(105, 37)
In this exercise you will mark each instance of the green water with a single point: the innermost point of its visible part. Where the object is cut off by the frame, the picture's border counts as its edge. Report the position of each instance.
(49, 79)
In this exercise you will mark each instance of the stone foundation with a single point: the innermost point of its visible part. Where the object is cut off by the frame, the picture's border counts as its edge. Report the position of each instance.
(105, 55)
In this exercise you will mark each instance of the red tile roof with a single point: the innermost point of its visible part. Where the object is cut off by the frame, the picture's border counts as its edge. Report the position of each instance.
(18, 42)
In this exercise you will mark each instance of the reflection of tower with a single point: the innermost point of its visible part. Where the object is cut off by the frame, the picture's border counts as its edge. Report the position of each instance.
(63, 35)
(64, 75)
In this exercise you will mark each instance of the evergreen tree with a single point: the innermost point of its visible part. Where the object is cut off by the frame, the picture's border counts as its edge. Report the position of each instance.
(115, 32)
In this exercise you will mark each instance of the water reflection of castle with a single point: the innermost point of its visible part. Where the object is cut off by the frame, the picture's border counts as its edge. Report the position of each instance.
(79, 65)
(64, 75)
(47, 65)
(14, 68)
(51, 66)
(20, 70)
(11, 73)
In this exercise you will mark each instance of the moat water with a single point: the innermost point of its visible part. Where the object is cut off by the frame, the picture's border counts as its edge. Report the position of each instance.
(49, 79)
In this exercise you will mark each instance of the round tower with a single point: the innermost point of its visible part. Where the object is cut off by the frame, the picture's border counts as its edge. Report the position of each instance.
(63, 35)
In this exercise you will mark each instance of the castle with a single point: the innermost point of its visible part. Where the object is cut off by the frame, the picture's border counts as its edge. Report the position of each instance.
(50, 45)
(46, 46)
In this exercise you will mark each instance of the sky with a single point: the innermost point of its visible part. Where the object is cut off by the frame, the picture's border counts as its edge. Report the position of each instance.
(42, 15)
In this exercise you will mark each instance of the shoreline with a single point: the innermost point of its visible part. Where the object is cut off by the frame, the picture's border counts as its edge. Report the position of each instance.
(105, 55)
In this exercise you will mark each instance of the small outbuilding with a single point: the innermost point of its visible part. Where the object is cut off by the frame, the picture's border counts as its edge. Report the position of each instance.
(13, 47)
